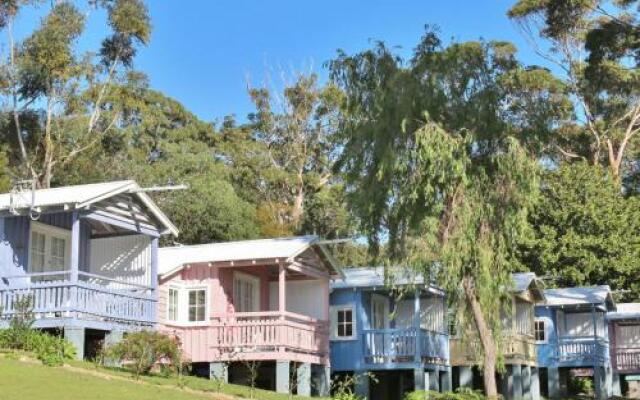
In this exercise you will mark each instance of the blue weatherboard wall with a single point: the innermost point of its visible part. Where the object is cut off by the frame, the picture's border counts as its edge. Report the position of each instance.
(14, 242)
(347, 355)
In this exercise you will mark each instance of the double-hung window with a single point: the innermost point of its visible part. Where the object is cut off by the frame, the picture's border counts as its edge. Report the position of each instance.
(540, 331)
(197, 305)
(172, 307)
(343, 323)
(49, 249)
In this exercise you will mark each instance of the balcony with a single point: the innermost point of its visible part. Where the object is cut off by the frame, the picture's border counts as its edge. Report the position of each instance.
(571, 349)
(516, 348)
(92, 297)
(243, 336)
(383, 346)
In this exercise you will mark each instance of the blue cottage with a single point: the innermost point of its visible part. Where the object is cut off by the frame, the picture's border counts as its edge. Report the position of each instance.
(573, 340)
(389, 329)
(86, 256)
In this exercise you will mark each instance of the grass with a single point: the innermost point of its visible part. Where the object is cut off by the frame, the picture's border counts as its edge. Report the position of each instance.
(28, 380)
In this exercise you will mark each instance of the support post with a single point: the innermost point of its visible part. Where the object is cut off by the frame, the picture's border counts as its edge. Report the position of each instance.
(434, 380)
(446, 384)
(416, 325)
(112, 338)
(516, 372)
(466, 377)
(282, 376)
(362, 385)
(75, 247)
(535, 383)
(75, 336)
(420, 379)
(322, 380)
(526, 382)
(219, 371)
(553, 378)
(282, 302)
(154, 275)
(616, 387)
(303, 381)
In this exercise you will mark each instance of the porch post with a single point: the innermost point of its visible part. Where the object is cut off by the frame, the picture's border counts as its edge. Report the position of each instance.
(154, 276)
(465, 376)
(304, 379)
(553, 384)
(526, 382)
(75, 247)
(416, 325)
(361, 384)
(535, 383)
(282, 302)
(282, 376)
(75, 336)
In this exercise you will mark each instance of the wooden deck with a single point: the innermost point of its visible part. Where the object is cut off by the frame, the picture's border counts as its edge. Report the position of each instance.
(91, 297)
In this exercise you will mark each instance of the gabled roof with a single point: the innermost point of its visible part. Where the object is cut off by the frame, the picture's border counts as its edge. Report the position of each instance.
(625, 311)
(523, 281)
(575, 296)
(80, 196)
(372, 277)
(172, 259)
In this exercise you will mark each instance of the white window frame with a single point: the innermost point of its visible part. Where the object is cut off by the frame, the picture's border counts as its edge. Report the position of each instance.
(177, 309)
(545, 323)
(333, 312)
(253, 280)
(49, 231)
(183, 305)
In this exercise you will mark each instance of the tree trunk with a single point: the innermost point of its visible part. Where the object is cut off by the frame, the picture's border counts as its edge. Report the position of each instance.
(298, 203)
(486, 338)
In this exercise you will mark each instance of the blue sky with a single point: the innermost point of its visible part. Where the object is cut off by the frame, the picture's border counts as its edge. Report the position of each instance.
(203, 52)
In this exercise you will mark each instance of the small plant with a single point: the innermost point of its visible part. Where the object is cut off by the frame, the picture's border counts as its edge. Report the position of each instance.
(219, 380)
(342, 387)
(141, 351)
(462, 393)
(581, 385)
(253, 367)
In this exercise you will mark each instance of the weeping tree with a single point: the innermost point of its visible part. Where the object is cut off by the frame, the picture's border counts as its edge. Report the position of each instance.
(438, 174)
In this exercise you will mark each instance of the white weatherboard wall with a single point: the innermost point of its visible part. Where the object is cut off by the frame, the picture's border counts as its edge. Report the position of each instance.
(125, 258)
(303, 297)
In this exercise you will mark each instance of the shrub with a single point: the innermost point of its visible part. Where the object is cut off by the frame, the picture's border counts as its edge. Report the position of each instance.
(460, 394)
(581, 385)
(141, 351)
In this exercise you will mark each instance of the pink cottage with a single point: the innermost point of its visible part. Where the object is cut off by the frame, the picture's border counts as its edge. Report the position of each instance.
(251, 304)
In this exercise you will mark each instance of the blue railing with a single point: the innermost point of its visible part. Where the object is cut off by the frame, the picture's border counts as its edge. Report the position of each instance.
(401, 345)
(53, 295)
(582, 348)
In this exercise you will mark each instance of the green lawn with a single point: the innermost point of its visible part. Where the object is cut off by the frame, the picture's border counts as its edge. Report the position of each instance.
(21, 380)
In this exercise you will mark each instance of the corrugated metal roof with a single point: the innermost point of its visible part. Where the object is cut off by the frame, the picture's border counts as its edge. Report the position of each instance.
(522, 280)
(625, 311)
(578, 295)
(170, 259)
(374, 276)
(80, 196)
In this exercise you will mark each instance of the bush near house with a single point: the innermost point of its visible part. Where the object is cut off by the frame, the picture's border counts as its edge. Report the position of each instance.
(459, 394)
(141, 351)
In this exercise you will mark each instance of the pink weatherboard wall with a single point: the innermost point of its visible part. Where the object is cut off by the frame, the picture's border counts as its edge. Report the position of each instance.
(271, 333)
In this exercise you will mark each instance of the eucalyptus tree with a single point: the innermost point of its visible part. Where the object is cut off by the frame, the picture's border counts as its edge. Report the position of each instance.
(595, 46)
(56, 99)
(440, 160)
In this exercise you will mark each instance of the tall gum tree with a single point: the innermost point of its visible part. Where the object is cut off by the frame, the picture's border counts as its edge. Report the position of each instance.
(57, 97)
(439, 155)
(594, 45)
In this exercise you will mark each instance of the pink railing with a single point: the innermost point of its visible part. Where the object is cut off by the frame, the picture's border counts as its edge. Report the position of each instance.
(269, 331)
(627, 359)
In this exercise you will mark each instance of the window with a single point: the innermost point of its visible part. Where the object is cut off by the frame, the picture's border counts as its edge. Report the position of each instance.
(197, 305)
(245, 292)
(540, 331)
(49, 249)
(343, 323)
(172, 309)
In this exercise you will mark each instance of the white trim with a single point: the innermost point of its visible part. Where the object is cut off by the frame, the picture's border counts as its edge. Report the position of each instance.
(183, 304)
(194, 288)
(333, 317)
(49, 231)
(177, 290)
(546, 323)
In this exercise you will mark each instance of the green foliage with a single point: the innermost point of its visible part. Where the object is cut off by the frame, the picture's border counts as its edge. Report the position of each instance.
(585, 232)
(460, 394)
(141, 351)
(581, 385)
